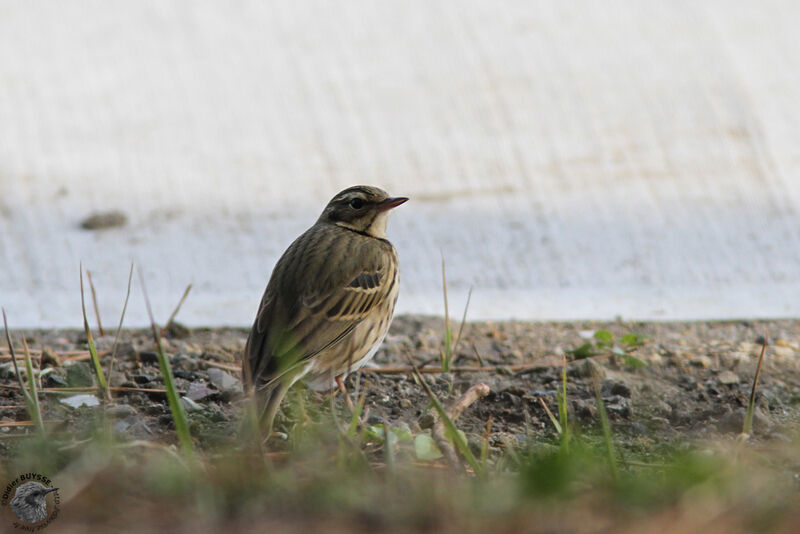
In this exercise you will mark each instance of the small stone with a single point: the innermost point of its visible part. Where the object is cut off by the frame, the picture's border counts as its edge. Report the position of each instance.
(166, 421)
(728, 378)
(7, 370)
(79, 374)
(199, 391)
(121, 411)
(56, 378)
(148, 356)
(104, 343)
(177, 330)
(222, 380)
(142, 379)
(374, 419)
(104, 220)
(120, 427)
(702, 361)
(617, 387)
(587, 368)
(190, 406)
(186, 375)
(426, 421)
(584, 410)
(76, 401)
(783, 353)
(49, 358)
(734, 421)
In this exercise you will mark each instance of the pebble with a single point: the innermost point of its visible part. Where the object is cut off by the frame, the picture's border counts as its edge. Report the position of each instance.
(177, 330)
(104, 220)
(587, 368)
(199, 391)
(426, 421)
(121, 410)
(728, 378)
(76, 401)
(374, 419)
(190, 406)
(734, 421)
(584, 410)
(617, 387)
(55, 379)
(79, 374)
(783, 353)
(222, 380)
(702, 361)
(148, 356)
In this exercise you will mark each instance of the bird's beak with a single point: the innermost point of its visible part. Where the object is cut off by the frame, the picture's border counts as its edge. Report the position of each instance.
(49, 490)
(391, 202)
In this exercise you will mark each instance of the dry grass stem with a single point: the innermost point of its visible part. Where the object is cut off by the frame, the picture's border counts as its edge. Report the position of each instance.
(439, 431)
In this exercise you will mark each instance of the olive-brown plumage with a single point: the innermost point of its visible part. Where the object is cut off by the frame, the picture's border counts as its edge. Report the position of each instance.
(328, 303)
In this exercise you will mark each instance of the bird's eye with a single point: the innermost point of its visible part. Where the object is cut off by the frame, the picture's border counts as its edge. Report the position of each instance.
(357, 203)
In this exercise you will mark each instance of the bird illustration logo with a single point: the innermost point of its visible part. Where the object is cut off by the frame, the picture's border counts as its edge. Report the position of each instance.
(29, 503)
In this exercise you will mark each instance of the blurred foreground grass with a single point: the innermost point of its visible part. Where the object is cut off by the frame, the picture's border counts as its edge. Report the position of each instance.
(327, 479)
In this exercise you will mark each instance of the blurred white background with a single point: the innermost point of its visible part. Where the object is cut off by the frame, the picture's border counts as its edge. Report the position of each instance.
(569, 160)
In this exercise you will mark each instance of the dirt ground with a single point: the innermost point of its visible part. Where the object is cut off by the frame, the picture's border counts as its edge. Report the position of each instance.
(695, 385)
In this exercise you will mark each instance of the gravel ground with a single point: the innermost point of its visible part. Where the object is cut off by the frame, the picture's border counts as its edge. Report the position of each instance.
(695, 386)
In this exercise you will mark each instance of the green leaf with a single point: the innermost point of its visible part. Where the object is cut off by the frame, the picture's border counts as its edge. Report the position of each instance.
(604, 337)
(584, 351)
(403, 434)
(375, 433)
(632, 340)
(633, 361)
(425, 448)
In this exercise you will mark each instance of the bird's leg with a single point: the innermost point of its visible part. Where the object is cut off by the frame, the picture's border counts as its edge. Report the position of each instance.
(347, 399)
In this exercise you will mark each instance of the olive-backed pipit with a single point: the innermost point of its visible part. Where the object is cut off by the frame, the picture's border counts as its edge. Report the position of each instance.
(328, 303)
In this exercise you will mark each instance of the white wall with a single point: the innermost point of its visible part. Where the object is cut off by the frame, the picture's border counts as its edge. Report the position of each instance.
(570, 160)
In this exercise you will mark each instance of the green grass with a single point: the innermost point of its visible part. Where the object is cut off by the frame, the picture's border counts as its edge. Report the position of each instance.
(98, 369)
(324, 475)
(29, 391)
(173, 397)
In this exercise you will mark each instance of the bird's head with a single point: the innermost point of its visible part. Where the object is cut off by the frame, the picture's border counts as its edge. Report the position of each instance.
(362, 208)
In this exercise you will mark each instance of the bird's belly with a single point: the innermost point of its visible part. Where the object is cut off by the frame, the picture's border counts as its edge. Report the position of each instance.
(345, 360)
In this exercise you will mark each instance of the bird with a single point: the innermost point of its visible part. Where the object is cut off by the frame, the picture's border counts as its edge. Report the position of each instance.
(328, 303)
(29, 502)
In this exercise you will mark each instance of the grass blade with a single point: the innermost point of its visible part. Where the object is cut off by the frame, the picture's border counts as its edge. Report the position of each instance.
(31, 397)
(448, 333)
(552, 417)
(177, 308)
(119, 326)
(748, 418)
(94, 302)
(101, 379)
(175, 406)
(459, 441)
(601, 410)
(463, 320)
(562, 406)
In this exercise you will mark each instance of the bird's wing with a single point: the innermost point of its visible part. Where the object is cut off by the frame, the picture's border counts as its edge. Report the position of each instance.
(319, 291)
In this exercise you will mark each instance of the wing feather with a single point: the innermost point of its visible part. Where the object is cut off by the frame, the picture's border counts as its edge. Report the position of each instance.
(309, 307)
